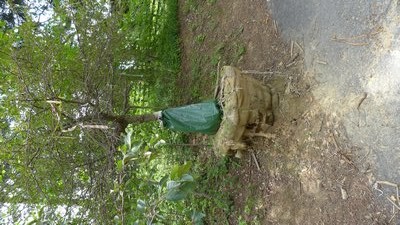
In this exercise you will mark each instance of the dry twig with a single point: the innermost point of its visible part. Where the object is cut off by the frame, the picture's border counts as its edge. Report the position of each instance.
(365, 94)
(276, 28)
(339, 152)
(291, 49)
(299, 46)
(292, 61)
(321, 62)
(393, 203)
(255, 160)
(350, 40)
(387, 183)
(258, 72)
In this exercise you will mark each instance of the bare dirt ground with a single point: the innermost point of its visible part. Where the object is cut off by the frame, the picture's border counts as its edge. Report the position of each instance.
(307, 174)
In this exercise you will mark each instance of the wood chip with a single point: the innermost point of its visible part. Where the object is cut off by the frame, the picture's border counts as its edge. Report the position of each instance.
(344, 193)
(291, 49)
(321, 62)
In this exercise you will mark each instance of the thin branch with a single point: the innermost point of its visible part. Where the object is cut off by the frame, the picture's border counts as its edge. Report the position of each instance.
(36, 154)
(73, 101)
(91, 162)
(87, 126)
(38, 184)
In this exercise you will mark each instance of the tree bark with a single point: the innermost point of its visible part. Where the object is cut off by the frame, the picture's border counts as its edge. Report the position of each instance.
(124, 120)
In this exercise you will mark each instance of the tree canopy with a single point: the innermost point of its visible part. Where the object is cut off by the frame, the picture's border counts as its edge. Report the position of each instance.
(71, 83)
(12, 12)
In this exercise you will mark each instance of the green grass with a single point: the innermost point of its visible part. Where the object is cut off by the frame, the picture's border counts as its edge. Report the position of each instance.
(200, 38)
(168, 54)
(239, 51)
(213, 24)
(190, 5)
(217, 54)
(211, 2)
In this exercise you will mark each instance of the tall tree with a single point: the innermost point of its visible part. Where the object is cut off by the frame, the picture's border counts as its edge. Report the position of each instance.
(65, 104)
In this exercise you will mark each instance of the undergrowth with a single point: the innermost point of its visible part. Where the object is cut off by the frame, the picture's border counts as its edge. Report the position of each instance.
(208, 200)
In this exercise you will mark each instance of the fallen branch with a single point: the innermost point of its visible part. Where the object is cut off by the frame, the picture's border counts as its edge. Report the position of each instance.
(393, 203)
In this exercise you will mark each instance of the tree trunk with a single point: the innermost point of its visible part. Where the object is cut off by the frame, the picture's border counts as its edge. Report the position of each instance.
(124, 120)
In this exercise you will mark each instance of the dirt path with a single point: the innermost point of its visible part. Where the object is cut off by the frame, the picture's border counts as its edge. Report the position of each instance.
(351, 48)
(309, 173)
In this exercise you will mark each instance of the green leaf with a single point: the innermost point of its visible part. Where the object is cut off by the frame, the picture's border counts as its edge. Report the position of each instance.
(159, 143)
(172, 185)
(178, 190)
(127, 139)
(117, 186)
(175, 195)
(153, 155)
(197, 218)
(153, 140)
(128, 157)
(187, 187)
(123, 149)
(141, 205)
(163, 180)
(41, 212)
(178, 171)
(187, 177)
(33, 222)
(132, 152)
(135, 148)
(120, 166)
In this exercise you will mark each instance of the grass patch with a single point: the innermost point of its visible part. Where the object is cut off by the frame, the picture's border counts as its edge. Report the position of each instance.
(217, 54)
(190, 5)
(240, 49)
(168, 48)
(200, 38)
(211, 2)
(214, 189)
